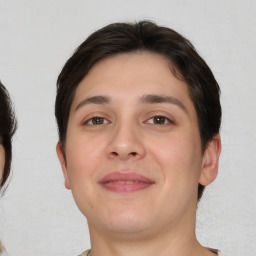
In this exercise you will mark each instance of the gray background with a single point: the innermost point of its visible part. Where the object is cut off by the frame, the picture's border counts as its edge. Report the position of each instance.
(37, 215)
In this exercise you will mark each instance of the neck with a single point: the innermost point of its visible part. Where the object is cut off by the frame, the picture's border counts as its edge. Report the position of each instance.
(175, 238)
(177, 242)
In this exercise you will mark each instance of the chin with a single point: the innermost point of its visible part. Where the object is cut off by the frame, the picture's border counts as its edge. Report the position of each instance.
(134, 229)
(125, 222)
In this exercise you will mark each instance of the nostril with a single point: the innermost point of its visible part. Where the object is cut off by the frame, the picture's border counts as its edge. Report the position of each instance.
(123, 155)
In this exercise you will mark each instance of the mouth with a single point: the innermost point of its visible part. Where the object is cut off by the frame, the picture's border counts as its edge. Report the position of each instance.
(125, 182)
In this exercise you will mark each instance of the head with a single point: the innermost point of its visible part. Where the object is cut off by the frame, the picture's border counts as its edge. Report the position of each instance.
(118, 38)
(7, 129)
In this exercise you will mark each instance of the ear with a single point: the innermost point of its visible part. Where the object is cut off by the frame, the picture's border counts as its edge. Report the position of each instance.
(210, 161)
(63, 163)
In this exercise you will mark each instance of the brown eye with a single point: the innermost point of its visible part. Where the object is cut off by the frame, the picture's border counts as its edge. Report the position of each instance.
(159, 120)
(96, 121)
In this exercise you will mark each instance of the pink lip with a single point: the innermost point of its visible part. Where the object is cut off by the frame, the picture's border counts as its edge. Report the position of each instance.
(125, 182)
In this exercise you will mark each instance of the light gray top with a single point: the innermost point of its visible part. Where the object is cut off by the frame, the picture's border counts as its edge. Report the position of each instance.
(86, 253)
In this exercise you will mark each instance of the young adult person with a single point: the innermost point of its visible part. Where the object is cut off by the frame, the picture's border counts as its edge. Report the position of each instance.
(7, 129)
(138, 115)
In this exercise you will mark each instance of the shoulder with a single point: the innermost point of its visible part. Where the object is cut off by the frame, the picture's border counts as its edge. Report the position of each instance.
(221, 254)
(86, 253)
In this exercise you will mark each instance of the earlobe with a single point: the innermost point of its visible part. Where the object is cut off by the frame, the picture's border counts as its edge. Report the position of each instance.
(63, 163)
(210, 161)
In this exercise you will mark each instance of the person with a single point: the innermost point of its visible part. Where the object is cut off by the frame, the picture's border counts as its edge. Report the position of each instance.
(7, 129)
(138, 115)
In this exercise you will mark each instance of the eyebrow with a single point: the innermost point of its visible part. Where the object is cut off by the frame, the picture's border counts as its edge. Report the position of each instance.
(93, 100)
(154, 99)
(145, 99)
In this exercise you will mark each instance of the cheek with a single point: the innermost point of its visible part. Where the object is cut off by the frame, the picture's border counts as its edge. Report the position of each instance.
(2, 162)
(179, 156)
(85, 155)
(1, 169)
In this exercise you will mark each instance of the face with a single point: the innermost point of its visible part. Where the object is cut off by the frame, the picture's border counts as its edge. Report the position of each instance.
(133, 157)
(2, 161)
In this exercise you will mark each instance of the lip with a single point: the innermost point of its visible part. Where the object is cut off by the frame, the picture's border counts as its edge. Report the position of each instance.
(125, 182)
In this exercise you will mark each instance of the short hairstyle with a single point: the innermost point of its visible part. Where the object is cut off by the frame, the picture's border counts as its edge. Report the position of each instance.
(8, 126)
(118, 38)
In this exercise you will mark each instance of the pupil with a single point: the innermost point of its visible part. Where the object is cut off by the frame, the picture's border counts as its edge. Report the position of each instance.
(159, 120)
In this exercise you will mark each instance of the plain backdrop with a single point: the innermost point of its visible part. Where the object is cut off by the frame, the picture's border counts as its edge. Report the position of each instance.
(37, 214)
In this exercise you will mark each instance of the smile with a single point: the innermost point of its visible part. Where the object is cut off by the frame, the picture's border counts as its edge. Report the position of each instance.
(125, 182)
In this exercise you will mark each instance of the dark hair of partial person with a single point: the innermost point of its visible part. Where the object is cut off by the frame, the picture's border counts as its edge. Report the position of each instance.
(7, 129)
(119, 38)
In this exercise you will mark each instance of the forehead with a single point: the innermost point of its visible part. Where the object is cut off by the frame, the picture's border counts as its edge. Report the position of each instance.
(131, 74)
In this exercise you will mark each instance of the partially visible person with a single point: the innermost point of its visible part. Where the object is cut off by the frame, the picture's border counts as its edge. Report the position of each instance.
(7, 129)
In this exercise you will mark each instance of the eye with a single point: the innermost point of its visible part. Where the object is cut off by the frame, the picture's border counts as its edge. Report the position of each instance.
(159, 120)
(97, 120)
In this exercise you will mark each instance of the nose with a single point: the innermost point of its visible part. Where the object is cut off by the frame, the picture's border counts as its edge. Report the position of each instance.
(126, 144)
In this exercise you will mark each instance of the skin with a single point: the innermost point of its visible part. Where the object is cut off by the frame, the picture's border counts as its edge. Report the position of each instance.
(2, 160)
(158, 220)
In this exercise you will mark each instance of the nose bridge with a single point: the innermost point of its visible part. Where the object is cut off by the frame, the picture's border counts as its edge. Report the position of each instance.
(126, 141)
